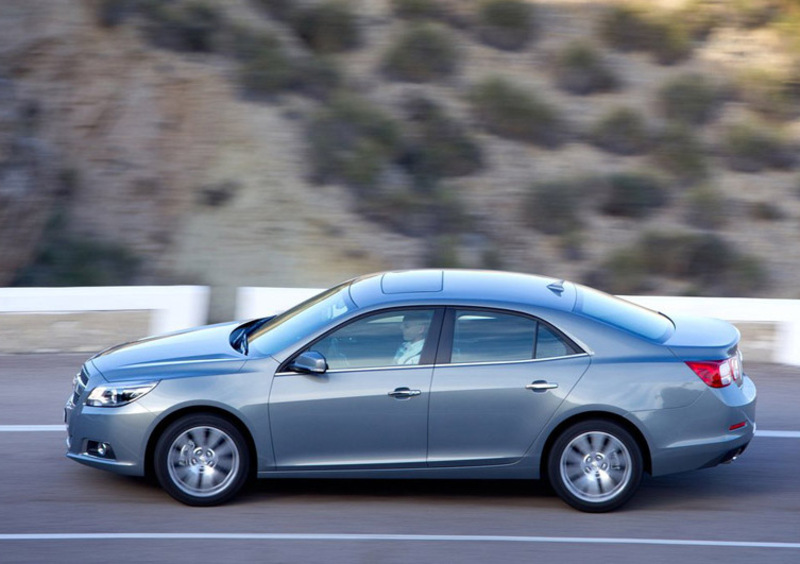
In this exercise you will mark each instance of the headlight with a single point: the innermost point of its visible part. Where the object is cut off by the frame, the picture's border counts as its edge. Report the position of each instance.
(114, 396)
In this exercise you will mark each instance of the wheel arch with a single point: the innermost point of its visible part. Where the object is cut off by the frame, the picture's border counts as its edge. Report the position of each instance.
(627, 424)
(196, 410)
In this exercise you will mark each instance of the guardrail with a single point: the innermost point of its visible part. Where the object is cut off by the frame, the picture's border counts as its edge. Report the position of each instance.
(179, 307)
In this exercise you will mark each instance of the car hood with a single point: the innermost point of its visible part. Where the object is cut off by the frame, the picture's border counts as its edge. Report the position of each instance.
(204, 350)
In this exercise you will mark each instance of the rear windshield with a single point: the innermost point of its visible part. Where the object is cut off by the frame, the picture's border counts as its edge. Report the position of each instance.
(624, 314)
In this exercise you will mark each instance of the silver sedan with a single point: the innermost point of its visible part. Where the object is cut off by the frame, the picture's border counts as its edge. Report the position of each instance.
(422, 374)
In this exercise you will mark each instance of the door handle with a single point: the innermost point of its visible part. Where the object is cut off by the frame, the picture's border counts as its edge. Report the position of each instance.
(541, 386)
(404, 393)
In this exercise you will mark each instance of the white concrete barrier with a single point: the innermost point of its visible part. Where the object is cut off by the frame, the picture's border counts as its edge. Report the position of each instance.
(172, 307)
(261, 302)
(783, 314)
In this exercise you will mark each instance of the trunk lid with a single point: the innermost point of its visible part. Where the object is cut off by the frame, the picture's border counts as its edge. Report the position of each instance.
(702, 338)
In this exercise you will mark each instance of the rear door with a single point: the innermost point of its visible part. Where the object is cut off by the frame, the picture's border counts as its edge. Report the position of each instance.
(499, 378)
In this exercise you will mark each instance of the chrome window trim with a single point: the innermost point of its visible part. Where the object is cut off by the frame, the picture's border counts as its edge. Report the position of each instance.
(369, 369)
(521, 361)
(448, 364)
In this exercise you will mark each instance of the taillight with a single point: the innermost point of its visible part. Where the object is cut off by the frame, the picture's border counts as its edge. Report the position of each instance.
(718, 373)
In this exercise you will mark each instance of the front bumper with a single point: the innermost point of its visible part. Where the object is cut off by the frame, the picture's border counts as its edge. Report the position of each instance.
(112, 439)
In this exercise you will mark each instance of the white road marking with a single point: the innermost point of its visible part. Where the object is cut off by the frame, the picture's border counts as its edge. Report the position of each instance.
(389, 537)
(32, 428)
(779, 434)
(62, 428)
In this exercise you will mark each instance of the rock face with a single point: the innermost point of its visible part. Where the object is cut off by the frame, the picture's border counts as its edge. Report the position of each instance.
(117, 114)
(159, 153)
(27, 182)
(165, 160)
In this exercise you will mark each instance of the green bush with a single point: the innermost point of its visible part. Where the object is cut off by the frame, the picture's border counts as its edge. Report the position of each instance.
(671, 42)
(752, 147)
(505, 109)
(330, 27)
(706, 260)
(622, 131)
(424, 52)
(706, 208)
(634, 195)
(316, 76)
(554, 207)
(438, 146)
(194, 26)
(580, 69)
(506, 24)
(64, 259)
(701, 17)
(265, 67)
(629, 28)
(625, 28)
(690, 98)
(417, 214)
(757, 13)
(111, 13)
(766, 211)
(352, 142)
(775, 95)
(278, 9)
(681, 154)
(417, 9)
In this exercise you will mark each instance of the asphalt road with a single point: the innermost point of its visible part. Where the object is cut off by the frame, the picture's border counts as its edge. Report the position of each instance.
(53, 510)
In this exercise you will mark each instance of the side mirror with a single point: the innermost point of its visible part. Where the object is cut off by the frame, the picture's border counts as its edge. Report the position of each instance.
(309, 362)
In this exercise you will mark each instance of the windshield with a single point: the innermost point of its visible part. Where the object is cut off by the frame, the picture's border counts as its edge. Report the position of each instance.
(301, 321)
(624, 314)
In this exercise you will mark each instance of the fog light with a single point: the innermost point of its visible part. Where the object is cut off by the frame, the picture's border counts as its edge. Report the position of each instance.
(100, 450)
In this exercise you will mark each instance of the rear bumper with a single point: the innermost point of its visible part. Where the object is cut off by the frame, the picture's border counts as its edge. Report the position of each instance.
(712, 431)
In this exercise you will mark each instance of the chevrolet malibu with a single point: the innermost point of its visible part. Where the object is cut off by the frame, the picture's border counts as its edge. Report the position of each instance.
(422, 374)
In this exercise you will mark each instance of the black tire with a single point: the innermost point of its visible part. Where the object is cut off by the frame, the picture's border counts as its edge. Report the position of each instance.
(595, 466)
(202, 460)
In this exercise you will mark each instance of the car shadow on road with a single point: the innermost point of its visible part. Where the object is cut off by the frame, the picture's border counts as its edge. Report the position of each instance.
(456, 490)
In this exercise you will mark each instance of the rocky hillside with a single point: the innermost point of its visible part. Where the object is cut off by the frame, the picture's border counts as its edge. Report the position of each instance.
(645, 147)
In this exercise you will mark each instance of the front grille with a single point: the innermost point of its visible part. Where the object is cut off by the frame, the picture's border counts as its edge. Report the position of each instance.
(79, 386)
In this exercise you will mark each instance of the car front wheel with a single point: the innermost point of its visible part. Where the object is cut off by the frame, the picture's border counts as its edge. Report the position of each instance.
(202, 460)
(595, 466)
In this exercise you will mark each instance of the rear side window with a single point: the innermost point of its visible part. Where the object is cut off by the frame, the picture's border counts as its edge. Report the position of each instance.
(487, 336)
(549, 344)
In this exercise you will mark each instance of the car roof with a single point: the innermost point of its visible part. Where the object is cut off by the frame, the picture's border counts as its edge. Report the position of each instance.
(454, 285)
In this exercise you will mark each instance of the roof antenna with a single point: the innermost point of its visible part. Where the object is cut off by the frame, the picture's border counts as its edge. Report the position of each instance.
(557, 287)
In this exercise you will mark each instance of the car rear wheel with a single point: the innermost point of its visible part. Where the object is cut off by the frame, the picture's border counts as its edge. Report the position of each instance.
(595, 466)
(202, 460)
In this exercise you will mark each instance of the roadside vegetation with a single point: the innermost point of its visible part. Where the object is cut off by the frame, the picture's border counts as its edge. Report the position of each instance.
(421, 120)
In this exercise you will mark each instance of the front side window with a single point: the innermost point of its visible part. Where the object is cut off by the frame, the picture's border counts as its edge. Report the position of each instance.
(395, 338)
(487, 336)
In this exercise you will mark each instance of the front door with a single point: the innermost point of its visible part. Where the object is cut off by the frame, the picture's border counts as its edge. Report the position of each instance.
(370, 409)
